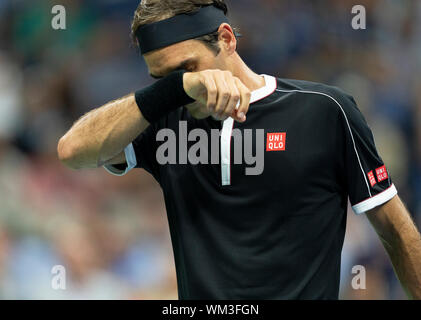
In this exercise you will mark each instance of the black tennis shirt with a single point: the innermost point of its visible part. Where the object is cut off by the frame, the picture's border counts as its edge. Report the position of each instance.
(277, 235)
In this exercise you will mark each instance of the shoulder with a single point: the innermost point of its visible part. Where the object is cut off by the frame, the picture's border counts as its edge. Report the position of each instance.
(328, 102)
(334, 98)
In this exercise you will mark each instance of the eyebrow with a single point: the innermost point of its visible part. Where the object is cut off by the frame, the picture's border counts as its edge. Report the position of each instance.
(181, 66)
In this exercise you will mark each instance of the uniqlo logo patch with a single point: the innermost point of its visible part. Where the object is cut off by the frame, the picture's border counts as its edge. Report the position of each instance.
(381, 174)
(371, 178)
(276, 141)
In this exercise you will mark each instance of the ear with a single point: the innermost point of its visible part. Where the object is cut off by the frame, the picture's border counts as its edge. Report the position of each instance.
(227, 38)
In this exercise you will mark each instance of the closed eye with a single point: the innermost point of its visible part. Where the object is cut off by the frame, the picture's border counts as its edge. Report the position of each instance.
(189, 65)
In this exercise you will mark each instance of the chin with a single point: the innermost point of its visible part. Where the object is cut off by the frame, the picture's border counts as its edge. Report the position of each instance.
(199, 115)
(194, 109)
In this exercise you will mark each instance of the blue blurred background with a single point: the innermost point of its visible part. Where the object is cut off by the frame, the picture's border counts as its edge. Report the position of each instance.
(111, 233)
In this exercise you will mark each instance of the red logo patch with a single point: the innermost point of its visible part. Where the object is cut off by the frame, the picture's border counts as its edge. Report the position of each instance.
(381, 174)
(276, 141)
(371, 178)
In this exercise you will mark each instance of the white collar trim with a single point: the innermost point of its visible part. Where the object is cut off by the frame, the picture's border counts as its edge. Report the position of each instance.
(265, 91)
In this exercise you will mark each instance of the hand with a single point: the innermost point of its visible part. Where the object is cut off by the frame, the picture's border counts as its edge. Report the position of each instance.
(219, 93)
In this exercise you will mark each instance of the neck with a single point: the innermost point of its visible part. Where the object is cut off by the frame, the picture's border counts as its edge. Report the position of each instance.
(251, 80)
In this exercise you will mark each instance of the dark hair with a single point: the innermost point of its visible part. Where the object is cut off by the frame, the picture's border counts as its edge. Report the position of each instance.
(150, 11)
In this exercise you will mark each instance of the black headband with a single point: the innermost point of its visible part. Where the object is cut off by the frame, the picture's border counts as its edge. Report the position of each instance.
(182, 27)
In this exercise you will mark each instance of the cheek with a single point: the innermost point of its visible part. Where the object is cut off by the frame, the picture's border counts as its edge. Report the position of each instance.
(219, 63)
(205, 65)
(209, 62)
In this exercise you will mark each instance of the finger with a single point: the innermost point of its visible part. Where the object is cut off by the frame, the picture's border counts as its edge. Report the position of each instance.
(224, 93)
(245, 96)
(212, 93)
(234, 99)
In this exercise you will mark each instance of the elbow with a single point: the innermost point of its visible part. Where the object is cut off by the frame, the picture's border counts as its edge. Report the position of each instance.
(67, 153)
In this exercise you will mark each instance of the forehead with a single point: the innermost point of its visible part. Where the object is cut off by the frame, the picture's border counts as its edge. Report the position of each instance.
(164, 60)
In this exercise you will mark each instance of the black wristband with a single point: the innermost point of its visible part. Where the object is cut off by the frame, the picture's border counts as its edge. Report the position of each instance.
(163, 97)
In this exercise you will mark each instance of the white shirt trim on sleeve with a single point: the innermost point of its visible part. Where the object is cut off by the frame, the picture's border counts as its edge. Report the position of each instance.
(130, 159)
(375, 201)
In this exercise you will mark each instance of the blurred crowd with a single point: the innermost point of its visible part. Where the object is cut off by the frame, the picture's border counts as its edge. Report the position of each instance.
(111, 233)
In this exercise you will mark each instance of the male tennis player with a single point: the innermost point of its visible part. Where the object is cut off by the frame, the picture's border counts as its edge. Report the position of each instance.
(274, 231)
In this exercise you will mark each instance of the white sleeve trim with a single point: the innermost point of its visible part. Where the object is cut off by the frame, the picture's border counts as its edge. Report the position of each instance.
(375, 201)
(130, 159)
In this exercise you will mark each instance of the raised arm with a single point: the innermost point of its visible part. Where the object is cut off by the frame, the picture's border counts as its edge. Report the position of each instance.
(99, 137)
(402, 242)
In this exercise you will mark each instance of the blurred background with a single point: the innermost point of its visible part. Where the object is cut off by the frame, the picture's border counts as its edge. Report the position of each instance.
(112, 233)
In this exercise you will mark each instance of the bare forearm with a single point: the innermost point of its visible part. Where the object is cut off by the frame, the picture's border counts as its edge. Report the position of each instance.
(406, 258)
(102, 134)
(402, 242)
